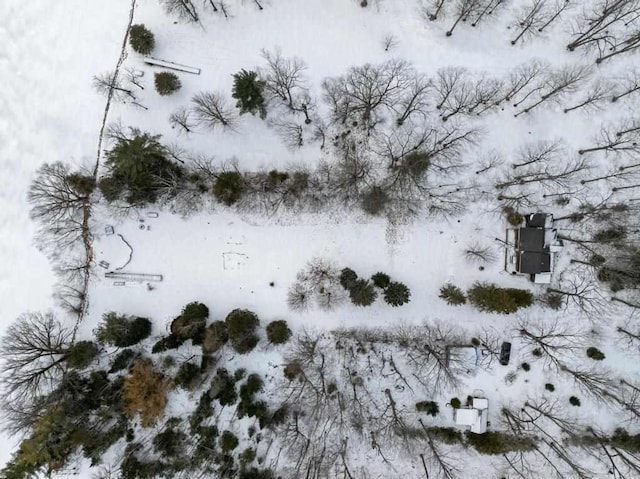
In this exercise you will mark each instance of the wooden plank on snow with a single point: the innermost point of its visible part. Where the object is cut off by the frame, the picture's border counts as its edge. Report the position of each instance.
(171, 65)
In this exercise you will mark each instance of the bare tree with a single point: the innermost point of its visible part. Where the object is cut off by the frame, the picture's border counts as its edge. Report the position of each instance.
(437, 8)
(622, 137)
(486, 92)
(33, 351)
(448, 82)
(414, 100)
(561, 82)
(598, 92)
(290, 132)
(540, 151)
(487, 9)
(477, 253)
(110, 82)
(523, 77)
(212, 109)
(583, 291)
(463, 9)
(550, 176)
(628, 84)
(183, 9)
(629, 336)
(364, 89)
(389, 42)
(182, 119)
(530, 20)
(284, 78)
(599, 26)
(556, 11)
(553, 339)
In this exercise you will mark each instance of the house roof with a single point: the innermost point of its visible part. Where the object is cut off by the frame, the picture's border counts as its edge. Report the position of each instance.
(537, 220)
(475, 417)
(534, 262)
(531, 239)
(533, 253)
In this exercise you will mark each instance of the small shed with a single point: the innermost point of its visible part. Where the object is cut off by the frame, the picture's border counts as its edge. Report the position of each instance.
(475, 417)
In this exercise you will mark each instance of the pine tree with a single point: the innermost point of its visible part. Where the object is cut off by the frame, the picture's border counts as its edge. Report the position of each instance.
(249, 91)
(167, 83)
(141, 39)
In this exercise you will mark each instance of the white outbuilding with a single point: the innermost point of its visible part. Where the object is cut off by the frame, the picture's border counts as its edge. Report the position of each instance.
(474, 416)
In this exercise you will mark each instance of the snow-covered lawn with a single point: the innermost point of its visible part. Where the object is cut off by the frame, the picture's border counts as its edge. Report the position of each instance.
(229, 259)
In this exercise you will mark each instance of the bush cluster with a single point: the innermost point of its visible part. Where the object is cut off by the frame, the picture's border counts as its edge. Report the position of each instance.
(595, 354)
(122, 331)
(278, 332)
(491, 298)
(452, 294)
(495, 442)
(241, 325)
(362, 291)
(191, 323)
(429, 407)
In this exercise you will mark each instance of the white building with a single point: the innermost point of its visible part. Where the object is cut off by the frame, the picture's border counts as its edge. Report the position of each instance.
(475, 416)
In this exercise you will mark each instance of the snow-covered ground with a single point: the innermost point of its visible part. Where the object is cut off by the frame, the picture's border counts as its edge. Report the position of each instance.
(228, 260)
(48, 113)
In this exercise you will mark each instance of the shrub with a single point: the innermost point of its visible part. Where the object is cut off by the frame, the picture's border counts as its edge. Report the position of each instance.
(141, 39)
(623, 440)
(239, 374)
(253, 384)
(447, 435)
(362, 293)
(374, 200)
(348, 278)
(228, 187)
(381, 280)
(595, 354)
(170, 442)
(396, 294)
(81, 354)
(574, 401)
(203, 410)
(491, 298)
(187, 375)
(215, 337)
(122, 331)
(610, 235)
(537, 352)
(166, 343)
(228, 441)
(549, 387)
(241, 324)
(255, 473)
(278, 332)
(429, 407)
(247, 456)
(248, 90)
(223, 388)
(145, 392)
(553, 301)
(525, 366)
(292, 370)
(452, 294)
(132, 468)
(123, 360)
(455, 403)
(494, 442)
(167, 83)
(515, 218)
(81, 184)
(191, 322)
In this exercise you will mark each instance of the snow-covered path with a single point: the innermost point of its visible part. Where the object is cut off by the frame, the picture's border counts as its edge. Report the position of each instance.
(48, 112)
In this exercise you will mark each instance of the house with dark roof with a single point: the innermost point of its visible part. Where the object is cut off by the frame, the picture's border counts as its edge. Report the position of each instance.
(532, 248)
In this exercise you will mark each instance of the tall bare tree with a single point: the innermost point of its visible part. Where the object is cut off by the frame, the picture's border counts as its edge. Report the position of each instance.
(212, 109)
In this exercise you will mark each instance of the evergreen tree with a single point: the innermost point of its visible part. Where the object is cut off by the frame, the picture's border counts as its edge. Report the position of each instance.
(141, 39)
(397, 294)
(138, 166)
(167, 83)
(362, 293)
(248, 89)
(122, 331)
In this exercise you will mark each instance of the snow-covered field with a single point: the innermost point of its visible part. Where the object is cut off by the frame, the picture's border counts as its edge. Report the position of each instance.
(229, 259)
(49, 113)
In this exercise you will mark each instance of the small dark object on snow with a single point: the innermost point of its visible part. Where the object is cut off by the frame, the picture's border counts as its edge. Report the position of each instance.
(505, 353)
